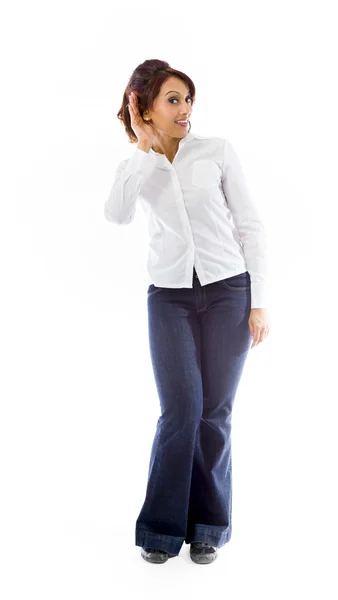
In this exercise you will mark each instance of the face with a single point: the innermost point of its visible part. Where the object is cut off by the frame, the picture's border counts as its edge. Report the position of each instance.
(173, 103)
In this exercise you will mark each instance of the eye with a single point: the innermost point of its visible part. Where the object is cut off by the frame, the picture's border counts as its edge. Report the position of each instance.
(173, 98)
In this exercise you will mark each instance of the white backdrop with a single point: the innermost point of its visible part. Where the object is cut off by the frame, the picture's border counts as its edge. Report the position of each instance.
(79, 404)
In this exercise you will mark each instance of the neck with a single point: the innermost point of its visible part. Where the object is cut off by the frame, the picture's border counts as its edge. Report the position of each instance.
(170, 146)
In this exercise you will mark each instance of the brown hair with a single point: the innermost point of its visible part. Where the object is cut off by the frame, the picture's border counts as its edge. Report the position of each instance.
(146, 81)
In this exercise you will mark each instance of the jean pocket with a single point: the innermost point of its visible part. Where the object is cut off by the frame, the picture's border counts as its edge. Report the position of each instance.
(237, 283)
(152, 289)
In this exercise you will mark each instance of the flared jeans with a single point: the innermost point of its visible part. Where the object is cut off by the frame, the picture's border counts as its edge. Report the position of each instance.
(199, 341)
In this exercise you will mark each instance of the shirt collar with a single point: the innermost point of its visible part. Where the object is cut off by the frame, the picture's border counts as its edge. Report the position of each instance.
(161, 159)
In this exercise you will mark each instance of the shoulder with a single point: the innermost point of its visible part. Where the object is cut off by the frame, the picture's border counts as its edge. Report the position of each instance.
(215, 146)
(209, 138)
(215, 141)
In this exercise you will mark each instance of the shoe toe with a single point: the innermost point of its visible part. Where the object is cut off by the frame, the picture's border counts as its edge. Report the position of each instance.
(154, 555)
(202, 553)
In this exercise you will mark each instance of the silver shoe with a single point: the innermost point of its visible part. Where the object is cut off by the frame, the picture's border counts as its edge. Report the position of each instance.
(154, 555)
(202, 553)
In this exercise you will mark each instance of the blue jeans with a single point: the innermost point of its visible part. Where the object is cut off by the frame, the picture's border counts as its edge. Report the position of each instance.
(199, 341)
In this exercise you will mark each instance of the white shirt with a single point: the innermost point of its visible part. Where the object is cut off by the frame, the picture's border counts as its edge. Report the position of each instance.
(199, 213)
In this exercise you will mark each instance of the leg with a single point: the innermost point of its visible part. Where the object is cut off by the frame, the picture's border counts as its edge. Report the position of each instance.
(175, 347)
(226, 340)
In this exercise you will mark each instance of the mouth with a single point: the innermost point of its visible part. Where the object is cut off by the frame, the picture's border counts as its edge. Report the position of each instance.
(182, 123)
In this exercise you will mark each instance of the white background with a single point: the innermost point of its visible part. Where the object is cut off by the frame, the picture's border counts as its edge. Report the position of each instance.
(79, 404)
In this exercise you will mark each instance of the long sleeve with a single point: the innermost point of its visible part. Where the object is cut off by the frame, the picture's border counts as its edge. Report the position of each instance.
(248, 224)
(120, 207)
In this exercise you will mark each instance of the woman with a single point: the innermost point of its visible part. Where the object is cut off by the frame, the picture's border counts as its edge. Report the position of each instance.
(201, 321)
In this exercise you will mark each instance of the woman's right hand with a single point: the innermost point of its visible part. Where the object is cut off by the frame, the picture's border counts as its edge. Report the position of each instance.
(145, 132)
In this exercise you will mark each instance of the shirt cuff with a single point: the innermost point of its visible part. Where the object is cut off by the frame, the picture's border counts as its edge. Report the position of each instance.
(259, 295)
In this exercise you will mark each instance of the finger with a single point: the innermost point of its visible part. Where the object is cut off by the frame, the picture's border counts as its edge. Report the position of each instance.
(253, 335)
(258, 337)
(133, 102)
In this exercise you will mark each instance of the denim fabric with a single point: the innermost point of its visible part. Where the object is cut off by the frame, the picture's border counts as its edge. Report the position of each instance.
(199, 341)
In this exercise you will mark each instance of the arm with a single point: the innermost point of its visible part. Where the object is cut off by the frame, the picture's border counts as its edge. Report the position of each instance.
(248, 224)
(120, 207)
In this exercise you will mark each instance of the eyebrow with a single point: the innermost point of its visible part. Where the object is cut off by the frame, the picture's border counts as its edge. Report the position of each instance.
(188, 94)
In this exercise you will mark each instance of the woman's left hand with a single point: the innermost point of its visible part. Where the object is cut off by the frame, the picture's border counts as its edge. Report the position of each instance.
(259, 323)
